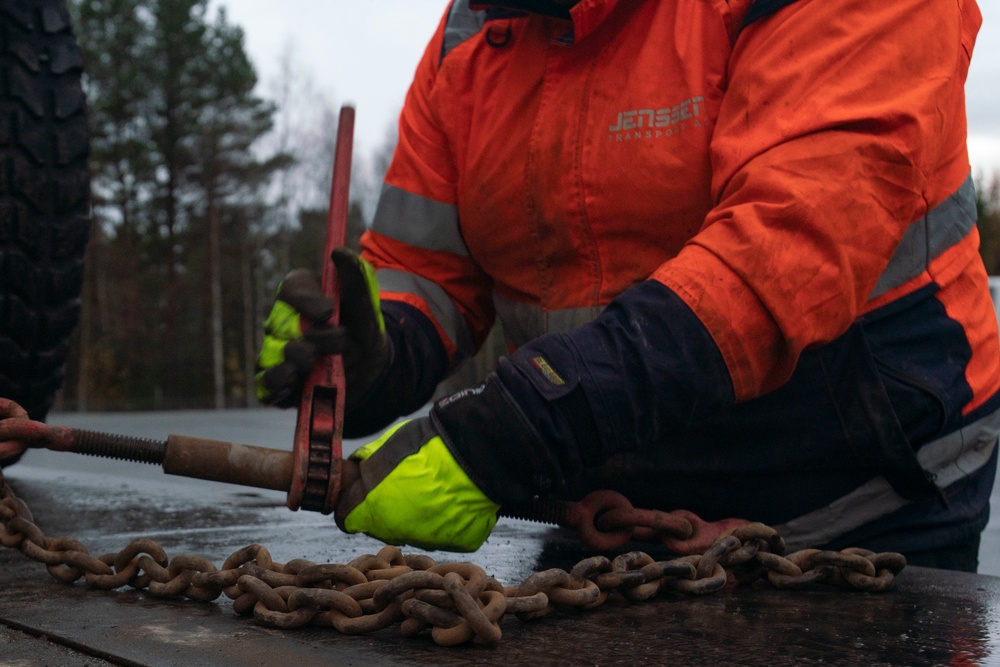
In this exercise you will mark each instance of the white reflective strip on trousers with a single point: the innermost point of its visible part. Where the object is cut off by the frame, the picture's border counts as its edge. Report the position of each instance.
(948, 459)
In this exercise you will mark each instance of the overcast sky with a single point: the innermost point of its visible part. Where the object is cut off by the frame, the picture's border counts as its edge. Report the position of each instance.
(364, 52)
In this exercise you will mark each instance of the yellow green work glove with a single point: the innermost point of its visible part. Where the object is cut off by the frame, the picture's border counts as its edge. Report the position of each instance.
(407, 488)
(297, 332)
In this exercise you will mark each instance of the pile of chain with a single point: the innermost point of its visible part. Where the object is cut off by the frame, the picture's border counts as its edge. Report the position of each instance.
(455, 602)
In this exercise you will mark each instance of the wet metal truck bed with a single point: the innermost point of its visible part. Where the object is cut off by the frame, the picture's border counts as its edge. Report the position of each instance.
(930, 618)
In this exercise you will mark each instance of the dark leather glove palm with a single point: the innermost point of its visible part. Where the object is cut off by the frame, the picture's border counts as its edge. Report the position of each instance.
(297, 332)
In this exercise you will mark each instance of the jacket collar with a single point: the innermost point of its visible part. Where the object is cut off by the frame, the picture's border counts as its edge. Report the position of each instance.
(586, 15)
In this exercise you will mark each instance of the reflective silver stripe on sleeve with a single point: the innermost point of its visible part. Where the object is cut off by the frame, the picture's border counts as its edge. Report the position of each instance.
(444, 311)
(944, 225)
(523, 322)
(418, 221)
(462, 24)
(950, 458)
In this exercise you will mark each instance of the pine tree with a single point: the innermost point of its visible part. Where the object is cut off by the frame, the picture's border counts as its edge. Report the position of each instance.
(177, 185)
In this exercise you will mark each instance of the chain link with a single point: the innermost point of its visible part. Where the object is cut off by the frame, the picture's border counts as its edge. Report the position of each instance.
(605, 520)
(456, 602)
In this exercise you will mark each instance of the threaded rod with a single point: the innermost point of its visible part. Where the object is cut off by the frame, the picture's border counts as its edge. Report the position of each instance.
(122, 447)
(540, 510)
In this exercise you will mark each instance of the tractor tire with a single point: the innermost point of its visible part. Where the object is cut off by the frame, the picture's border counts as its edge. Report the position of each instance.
(44, 199)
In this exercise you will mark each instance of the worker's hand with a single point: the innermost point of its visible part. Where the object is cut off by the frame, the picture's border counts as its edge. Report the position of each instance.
(297, 334)
(407, 488)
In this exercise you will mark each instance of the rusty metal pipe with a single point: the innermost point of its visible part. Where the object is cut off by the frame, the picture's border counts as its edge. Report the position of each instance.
(228, 462)
(182, 455)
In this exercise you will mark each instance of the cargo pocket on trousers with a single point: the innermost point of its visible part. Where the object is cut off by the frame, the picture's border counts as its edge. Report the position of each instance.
(870, 422)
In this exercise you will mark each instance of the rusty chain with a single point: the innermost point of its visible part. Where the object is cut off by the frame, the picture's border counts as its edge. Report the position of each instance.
(606, 520)
(456, 602)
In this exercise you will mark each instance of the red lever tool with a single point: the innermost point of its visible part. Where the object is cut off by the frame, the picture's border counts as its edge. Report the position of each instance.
(320, 425)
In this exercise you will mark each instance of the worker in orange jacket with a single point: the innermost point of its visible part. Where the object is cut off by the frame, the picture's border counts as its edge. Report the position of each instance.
(732, 247)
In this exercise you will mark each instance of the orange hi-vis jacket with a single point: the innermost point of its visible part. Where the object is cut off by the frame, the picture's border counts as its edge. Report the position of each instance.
(780, 174)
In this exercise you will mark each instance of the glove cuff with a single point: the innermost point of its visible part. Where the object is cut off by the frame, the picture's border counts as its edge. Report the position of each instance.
(492, 440)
